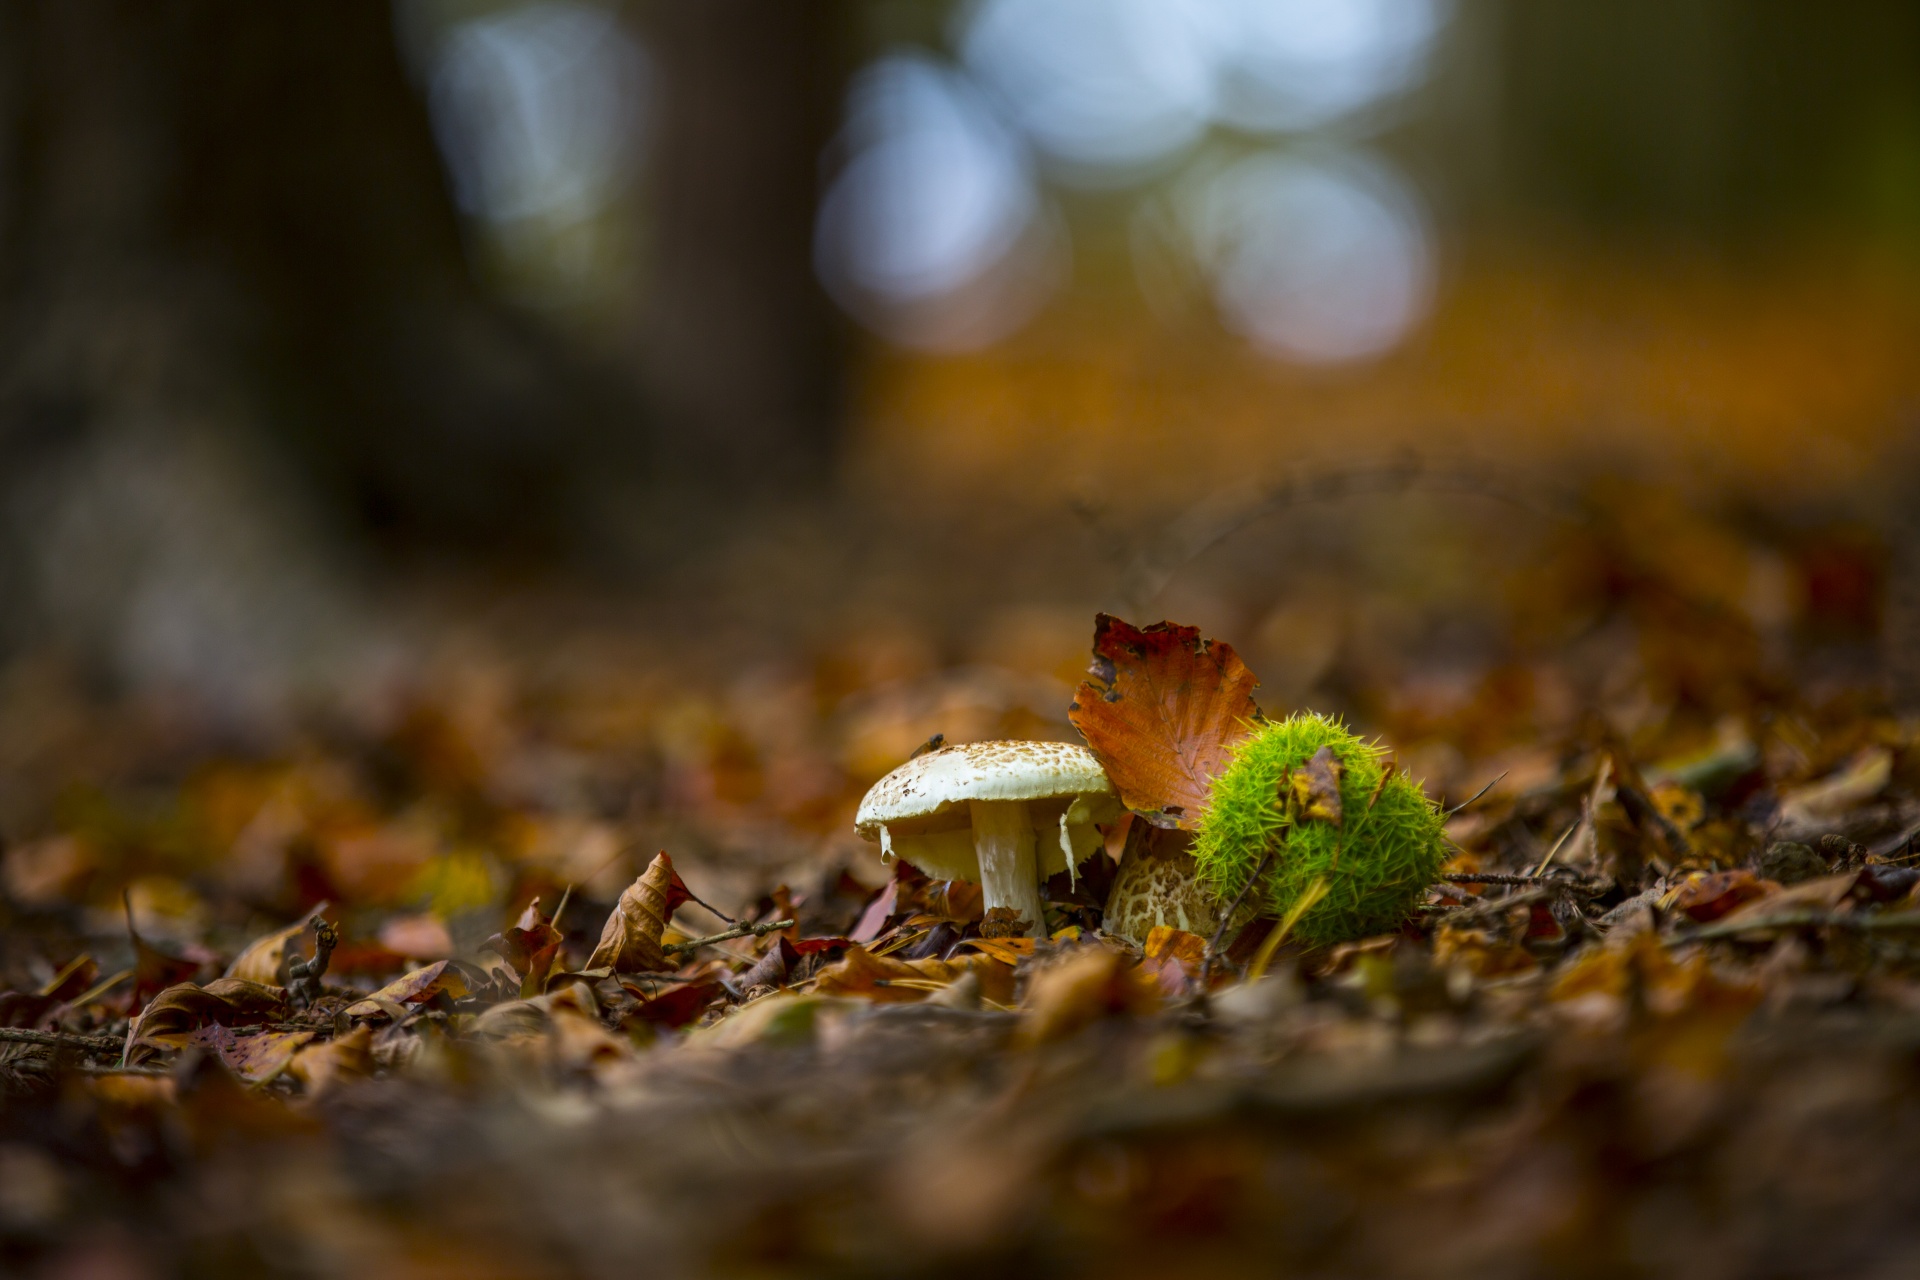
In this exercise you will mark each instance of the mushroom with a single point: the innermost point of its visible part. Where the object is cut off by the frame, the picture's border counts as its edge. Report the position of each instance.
(1003, 814)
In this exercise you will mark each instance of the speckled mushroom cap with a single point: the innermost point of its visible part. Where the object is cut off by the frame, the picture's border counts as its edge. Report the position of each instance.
(919, 811)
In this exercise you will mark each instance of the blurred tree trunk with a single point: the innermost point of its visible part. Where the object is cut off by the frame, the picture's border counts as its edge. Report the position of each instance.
(233, 310)
(740, 341)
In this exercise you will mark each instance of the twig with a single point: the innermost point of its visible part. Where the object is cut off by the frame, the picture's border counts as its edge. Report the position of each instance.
(154, 1073)
(61, 1040)
(1525, 898)
(1226, 917)
(701, 902)
(1508, 877)
(738, 931)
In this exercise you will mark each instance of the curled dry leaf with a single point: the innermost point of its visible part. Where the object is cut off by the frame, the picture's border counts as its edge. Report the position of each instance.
(265, 959)
(891, 981)
(630, 942)
(772, 969)
(1163, 712)
(531, 947)
(183, 1009)
(417, 987)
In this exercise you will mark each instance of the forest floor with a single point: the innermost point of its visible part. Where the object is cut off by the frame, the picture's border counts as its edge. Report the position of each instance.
(400, 987)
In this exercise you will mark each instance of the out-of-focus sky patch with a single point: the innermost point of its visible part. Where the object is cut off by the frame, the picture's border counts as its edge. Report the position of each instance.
(937, 232)
(1313, 258)
(1295, 65)
(933, 233)
(539, 109)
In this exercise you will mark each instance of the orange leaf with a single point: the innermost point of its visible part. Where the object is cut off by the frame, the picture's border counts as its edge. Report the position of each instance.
(1162, 712)
(265, 959)
(1174, 958)
(1008, 951)
(891, 981)
(630, 942)
(417, 987)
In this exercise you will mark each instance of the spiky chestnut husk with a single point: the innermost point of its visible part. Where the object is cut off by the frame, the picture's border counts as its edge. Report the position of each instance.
(1376, 863)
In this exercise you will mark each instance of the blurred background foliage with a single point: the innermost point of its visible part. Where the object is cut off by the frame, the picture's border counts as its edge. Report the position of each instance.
(757, 328)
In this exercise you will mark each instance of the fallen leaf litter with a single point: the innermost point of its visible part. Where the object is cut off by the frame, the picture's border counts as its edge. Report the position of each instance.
(1653, 1015)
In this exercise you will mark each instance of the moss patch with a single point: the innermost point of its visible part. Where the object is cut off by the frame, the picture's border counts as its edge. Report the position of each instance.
(1377, 862)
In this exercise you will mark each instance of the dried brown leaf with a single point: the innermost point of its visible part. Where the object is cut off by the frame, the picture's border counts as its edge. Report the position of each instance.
(531, 947)
(1162, 712)
(893, 981)
(417, 987)
(1316, 787)
(179, 1010)
(265, 958)
(630, 942)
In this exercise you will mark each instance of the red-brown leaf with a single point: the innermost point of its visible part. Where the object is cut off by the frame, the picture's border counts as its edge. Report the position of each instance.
(678, 1006)
(531, 947)
(1162, 711)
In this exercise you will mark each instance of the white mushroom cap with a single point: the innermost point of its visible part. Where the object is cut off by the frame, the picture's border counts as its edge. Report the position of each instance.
(919, 811)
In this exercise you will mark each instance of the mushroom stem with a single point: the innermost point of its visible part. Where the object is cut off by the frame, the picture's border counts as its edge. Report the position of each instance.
(1009, 875)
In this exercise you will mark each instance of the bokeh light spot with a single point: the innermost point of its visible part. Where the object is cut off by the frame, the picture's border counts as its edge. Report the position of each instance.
(932, 234)
(1318, 260)
(1105, 87)
(537, 110)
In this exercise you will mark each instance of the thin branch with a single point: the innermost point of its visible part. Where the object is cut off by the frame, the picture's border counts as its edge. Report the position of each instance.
(1508, 877)
(1226, 917)
(1525, 898)
(738, 931)
(61, 1040)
